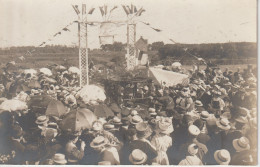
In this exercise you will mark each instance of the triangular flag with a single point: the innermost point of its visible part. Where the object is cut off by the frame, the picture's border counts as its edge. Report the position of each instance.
(135, 9)
(132, 8)
(75, 7)
(113, 8)
(65, 29)
(129, 9)
(105, 9)
(91, 10)
(84, 9)
(125, 9)
(102, 11)
(158, 30)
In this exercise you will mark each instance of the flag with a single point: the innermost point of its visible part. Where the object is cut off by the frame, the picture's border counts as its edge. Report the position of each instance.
(42, 43)
(146, 23)
(105, 9)
(132, 8)
(135, 9)
(158, 30)
(75, 7)
(65, 29)
(83, 8)
(102, 11)
(125, 9)
(172, 40)
(57, 34)
(139, 12)
(129, 9)
(91, 11)
(113, 8)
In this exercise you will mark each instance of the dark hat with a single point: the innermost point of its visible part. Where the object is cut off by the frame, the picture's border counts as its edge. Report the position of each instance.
(17, 132)
(125, 112)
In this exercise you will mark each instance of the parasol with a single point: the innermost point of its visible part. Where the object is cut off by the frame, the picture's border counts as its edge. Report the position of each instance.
(34, 84)
(103, 110)
(176, 65)
(56, 108)
(39, 103)
(74, 70)
(78, 120)
(13, 105)
(46, 71)
(60, 68)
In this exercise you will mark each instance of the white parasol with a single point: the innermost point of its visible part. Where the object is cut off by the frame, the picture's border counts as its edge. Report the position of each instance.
(74, 70)
(13, 105)
(90, 94)
(46, 71)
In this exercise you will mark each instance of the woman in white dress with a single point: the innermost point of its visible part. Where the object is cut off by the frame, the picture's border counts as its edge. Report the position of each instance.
(162, 141)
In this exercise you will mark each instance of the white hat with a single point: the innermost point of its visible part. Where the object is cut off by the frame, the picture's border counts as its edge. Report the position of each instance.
(241, 144)
(194, 130)
(59, 158)
(223, 124)
(137, 157)
(222, 157)
(134, 112)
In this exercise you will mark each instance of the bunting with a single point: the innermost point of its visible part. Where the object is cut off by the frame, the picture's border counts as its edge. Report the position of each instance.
(126, 10)
(91, 11)
(75, 7)
(102, 11)
(113, 8)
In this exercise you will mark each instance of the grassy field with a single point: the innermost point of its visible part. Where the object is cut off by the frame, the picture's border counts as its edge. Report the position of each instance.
(39, 60)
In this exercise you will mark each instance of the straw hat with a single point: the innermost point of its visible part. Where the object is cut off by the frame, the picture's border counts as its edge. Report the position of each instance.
(99, 141)
(41, 120)
(109, 127)
(134, 112)
(97, 125)
(165, 127)
(222, 157)
(152, 111)
(137, 157)
(194, 130)
(241, 144)
(143, 130)
(198, 103)
(223, 124)
(241, 119)
(204, 115)
(59, 158)
(104, 163)
(135, 119)
(193, 149)
(115, 121)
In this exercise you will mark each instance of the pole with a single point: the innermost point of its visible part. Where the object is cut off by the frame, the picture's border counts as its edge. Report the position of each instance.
(80, 82)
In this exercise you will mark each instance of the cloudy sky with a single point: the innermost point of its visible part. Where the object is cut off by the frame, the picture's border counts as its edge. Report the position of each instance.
(31, 22)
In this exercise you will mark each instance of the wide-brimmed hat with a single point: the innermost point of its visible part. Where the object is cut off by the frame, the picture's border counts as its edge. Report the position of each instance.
(97, 125)
(115, 121)
(41, 120)
(241, 144)
(222, 157)
(193, 149)
(135, 119)
(137, 157)
(216, 92)
(223, 124)
(204, 115)
(109, 127)
(134, 112)
(104, 163)
(164, 127)
(99, 141)
(152, 111)
(198, 103)
(194, 130)
(228, 84)
(241, 119)
(59, 158)
(143, 130)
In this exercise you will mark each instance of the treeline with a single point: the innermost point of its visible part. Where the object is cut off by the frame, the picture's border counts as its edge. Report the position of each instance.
(232, 50)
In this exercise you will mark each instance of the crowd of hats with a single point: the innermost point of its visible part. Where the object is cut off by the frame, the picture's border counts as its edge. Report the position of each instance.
(229, 106)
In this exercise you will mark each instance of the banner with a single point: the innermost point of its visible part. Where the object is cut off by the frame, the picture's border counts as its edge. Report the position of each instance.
(168, 78)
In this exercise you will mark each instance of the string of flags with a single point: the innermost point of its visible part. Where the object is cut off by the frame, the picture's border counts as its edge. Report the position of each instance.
(184, 49)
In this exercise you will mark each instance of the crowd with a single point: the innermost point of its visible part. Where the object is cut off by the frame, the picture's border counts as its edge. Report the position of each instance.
(210, 121)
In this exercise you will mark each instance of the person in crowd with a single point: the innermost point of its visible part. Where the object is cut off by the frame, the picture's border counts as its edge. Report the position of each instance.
(72, 152)
(191, 156)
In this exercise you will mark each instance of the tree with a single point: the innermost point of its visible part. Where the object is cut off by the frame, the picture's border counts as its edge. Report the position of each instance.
(157, 45)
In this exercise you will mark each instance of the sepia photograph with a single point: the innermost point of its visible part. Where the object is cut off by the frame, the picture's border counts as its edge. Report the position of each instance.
(128, 82)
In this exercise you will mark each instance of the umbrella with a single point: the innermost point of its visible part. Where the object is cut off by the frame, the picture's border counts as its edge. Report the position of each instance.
(176, 64)
(78, 120)
(39, 103)
(115, 108)
(103, 110)
(74, 70)
(13, 105)
(34, 84)
(55, 108)
(46, 71)
(60, 68)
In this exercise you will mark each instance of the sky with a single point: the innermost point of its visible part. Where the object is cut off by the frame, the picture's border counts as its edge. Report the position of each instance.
(31, 22)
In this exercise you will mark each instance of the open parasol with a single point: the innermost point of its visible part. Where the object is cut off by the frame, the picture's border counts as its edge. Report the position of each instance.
(13, 105)
(78, 120)
(102, 110)
(56, 108)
